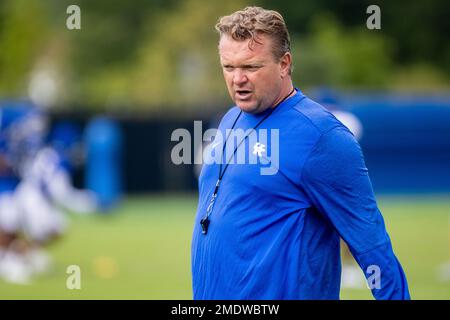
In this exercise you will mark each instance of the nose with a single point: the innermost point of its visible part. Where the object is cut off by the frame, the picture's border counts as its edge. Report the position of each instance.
(239, 77)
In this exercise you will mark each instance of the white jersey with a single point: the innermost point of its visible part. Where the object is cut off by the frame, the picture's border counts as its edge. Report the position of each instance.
(47, 173)
(45, 189)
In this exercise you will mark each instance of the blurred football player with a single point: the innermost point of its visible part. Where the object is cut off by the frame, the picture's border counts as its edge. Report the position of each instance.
(46, 190)
(22, 133)
(32, 211)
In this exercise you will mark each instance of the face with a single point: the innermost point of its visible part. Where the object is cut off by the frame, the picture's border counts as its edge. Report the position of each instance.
(255, 79)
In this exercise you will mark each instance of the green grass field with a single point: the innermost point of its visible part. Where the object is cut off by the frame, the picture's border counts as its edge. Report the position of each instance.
(142, 250)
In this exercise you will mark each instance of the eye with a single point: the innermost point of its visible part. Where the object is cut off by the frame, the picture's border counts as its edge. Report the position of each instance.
(228, 68)
(252, 68)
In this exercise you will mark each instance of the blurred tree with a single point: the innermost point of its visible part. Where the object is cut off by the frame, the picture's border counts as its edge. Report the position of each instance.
(159, 54)
(176, 65)
(111, 34)
(24, 30)
(331, 55)
(420, 29)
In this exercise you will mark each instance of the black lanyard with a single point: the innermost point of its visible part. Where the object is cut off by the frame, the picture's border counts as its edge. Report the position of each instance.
(204, 222)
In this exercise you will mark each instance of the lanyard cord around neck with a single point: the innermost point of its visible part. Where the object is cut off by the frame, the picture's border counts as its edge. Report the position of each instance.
(205, 221)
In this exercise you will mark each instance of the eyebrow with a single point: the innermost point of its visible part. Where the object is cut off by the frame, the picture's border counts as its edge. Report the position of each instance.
(246, 65)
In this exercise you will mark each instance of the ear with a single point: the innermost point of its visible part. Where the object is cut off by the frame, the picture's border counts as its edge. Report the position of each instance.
(285, 64)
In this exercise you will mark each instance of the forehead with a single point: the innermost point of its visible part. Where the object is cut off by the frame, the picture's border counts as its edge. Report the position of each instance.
(235, 51)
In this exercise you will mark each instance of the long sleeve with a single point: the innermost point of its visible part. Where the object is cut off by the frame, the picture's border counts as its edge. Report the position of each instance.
(336, 181)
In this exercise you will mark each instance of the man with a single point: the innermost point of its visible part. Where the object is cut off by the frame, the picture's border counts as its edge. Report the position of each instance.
(276, 236)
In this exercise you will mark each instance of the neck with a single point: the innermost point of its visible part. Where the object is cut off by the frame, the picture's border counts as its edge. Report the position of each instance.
(287, 92)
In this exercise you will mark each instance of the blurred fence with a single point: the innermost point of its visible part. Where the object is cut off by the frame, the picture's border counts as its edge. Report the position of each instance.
(405, 139)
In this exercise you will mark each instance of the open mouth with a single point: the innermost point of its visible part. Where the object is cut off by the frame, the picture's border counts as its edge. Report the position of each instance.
(243, 94)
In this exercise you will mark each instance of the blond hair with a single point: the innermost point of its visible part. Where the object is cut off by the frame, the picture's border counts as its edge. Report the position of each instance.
(252, 21)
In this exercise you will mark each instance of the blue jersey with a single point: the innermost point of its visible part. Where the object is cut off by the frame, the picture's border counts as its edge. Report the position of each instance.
(277, 236)
(22, 131)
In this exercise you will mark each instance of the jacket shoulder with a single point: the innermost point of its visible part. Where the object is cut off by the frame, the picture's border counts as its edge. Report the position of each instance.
(317, 115)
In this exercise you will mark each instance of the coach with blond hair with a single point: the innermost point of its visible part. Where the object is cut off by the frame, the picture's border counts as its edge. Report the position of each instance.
(276, 235)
